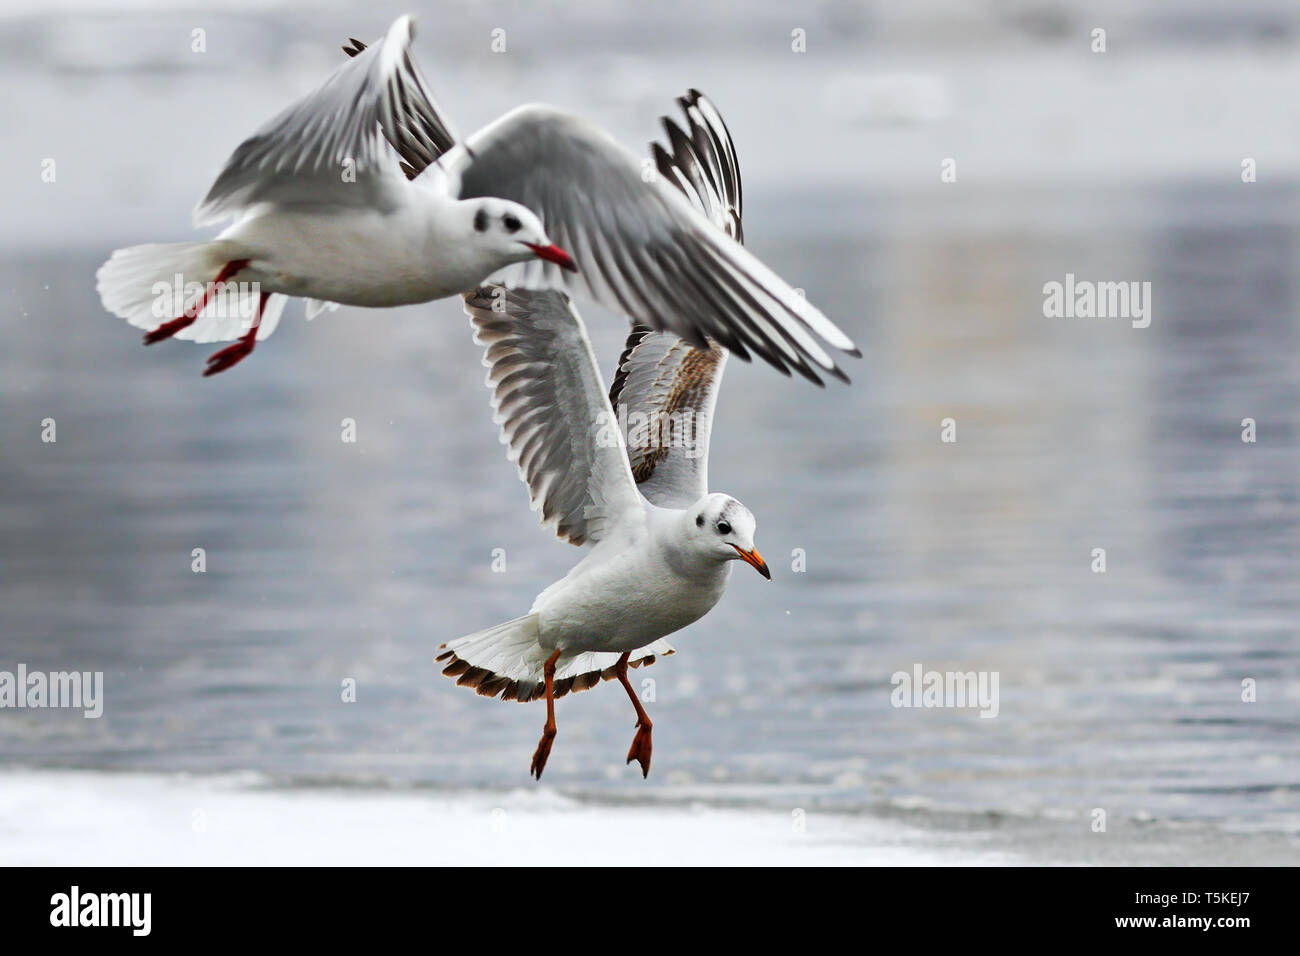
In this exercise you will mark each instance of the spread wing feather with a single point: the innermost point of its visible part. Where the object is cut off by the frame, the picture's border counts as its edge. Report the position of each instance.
(329, 147)
(549, 399)
(664, 389)
(641, 246)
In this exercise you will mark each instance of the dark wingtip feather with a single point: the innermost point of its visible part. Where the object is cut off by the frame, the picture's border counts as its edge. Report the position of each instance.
(456, 667)
(486, 683)
(663, 160)
(634, 338)
(697, 153)
(809, 374)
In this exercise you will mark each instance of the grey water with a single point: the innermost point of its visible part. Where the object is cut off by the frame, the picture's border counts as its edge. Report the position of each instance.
(329, 561)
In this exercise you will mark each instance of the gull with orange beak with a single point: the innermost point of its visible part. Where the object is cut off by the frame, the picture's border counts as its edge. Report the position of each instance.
(662, 545)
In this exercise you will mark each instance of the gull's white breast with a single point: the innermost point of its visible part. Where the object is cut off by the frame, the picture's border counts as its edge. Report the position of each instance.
(354, 256)
(625, 595)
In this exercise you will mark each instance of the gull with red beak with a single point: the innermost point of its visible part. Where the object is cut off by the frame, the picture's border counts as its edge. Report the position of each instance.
(360, 194)
(662, 545)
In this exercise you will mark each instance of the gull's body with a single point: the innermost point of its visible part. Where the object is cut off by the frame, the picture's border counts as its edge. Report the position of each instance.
(656, 561)
(360, 194)
(662, 545)
(633, 588)
(293, 255)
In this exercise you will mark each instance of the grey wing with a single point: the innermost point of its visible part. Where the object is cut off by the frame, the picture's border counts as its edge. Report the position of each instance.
(640, 246)
(328, 147)
(665, 390)
(415, 128)
(549, 400)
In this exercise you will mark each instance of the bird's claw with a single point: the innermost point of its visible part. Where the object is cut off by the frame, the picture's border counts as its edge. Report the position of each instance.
(542, 752)
(641, 748)
(230, 355)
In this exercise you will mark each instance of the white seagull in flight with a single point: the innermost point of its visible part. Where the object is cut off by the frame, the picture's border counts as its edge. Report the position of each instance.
(360, 194)
(662, 544)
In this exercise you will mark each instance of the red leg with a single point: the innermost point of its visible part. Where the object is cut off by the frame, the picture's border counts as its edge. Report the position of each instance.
(548, 732)
(641, 743)
(168, 329)
(243, 347)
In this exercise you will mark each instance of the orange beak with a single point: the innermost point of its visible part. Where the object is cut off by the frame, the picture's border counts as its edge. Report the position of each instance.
(553, 253)
(755, 561)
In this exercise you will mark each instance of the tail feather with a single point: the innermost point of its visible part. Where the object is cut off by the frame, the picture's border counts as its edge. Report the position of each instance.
(507, 661)
(152, 284)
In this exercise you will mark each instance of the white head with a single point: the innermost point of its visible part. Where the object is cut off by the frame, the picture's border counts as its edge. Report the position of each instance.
(722, 528)
(512, 232)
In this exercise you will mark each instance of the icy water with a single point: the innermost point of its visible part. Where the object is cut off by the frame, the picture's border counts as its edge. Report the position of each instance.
(328, 560)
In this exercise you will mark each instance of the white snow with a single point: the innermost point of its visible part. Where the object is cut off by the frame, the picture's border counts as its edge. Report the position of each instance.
(79, 818)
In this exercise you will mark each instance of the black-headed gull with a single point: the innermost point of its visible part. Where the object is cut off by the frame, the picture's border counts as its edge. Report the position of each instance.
(662, 544)
(322, 210)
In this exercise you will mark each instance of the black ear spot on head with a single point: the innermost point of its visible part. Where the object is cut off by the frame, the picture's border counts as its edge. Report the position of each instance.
(481, 221)
(699, 521)
(511, 222)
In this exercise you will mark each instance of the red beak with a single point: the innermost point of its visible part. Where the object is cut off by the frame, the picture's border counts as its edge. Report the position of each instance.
(553, 253)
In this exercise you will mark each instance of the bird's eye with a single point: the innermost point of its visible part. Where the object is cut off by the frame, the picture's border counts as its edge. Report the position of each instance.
(699, 521)
(480, 221)
(511, 222)
(724, 528)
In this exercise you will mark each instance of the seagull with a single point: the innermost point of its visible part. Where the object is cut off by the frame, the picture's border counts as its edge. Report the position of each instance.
(361, 194)
(662, 545)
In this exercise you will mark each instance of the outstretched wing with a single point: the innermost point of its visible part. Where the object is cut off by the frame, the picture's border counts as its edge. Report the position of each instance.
(702, 162)
(549, 399)
(664, 389)
(415, 128)
(666, 392)
(640, 246)
(328, 147)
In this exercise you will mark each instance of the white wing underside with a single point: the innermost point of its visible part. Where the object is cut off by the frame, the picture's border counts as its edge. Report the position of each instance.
(549, 401)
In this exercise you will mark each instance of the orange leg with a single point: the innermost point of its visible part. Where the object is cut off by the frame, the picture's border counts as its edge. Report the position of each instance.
(548, 732)
(641, 743)
(243, 347)
(187, 317)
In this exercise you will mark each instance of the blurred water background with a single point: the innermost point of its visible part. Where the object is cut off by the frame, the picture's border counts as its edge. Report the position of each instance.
(328, 560)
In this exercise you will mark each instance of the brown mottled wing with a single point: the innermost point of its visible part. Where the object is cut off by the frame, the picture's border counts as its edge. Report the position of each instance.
(667, 389)
(665, 394)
